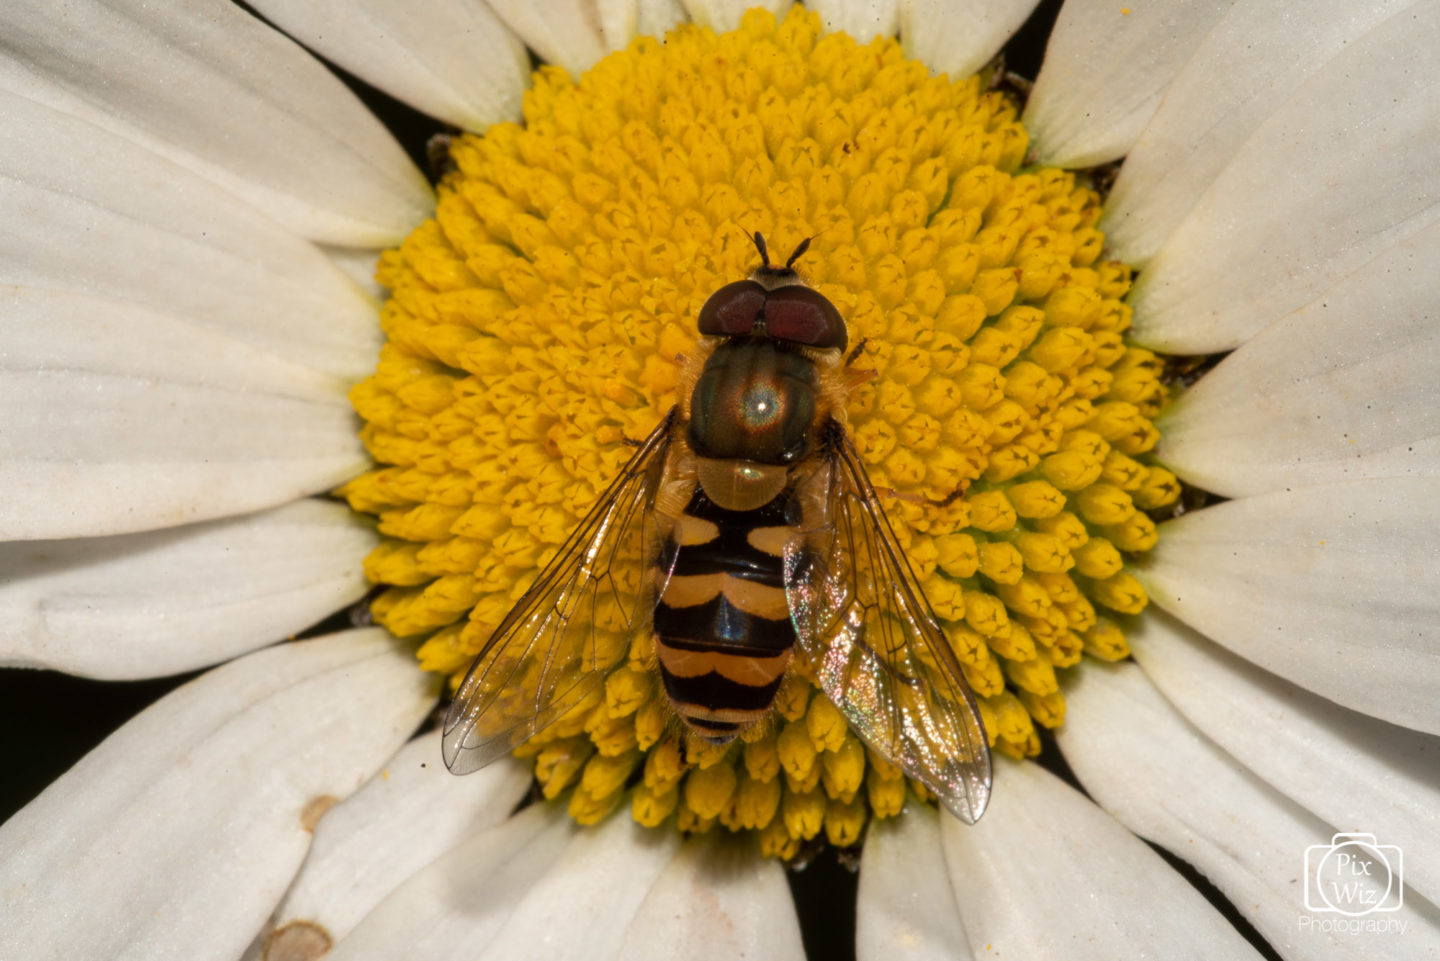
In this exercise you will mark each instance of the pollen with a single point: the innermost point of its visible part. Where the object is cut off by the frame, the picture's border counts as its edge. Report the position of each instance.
(534, 332)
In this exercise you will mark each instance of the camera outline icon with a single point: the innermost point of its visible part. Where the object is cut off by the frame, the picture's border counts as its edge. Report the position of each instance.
(1350, 858)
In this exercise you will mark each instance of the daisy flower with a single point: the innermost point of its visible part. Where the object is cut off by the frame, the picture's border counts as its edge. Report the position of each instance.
(202, 456)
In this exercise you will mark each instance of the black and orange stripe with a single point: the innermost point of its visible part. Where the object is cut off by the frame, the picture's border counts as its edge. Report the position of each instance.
(722, 627)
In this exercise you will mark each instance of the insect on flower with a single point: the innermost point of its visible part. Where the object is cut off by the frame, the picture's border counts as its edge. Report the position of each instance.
(744, 540)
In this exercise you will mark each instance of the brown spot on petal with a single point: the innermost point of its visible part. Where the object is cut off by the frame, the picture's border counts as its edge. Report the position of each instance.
(298, 941)
(315, 810)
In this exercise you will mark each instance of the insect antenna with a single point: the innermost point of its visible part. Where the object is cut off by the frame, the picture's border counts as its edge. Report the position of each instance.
(859, 349)
(803, 246)
(759, 239)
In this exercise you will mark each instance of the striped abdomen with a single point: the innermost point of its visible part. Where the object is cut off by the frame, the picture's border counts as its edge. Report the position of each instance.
(722, 626)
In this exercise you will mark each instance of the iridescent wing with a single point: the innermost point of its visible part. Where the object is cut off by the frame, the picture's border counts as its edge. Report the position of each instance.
(866, 631)
(573, 625)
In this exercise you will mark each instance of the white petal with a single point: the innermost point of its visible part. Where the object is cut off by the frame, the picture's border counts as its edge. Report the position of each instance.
(454, 907)
(1342, 171)
(588, 899)
(1344, 388)
(862, 19)
(958, 37)
(1336, 588)
(717, 899)
(218, 92)
(1144, 764)
(411, 813)
(176, 836)
(1256, 56)
(359, 264)
(658, 17)
(1020, 871)
(1355, 772)
(906, 907)
(722, 15)
(146, 605)
(573, 34)
(86, 210)
(1106, 67)
(119, 420)
(492, 896)
(452, 59)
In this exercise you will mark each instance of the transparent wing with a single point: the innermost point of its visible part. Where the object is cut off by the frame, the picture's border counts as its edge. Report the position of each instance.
(866, 631)
(574, 624)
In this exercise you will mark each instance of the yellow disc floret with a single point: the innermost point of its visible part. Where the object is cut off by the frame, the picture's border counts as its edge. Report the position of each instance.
(535, 327)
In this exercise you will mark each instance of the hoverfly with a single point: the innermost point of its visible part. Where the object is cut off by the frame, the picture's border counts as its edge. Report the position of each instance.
(743, 531)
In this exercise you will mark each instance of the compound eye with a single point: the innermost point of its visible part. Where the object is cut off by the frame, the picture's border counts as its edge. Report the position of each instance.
(804, 316)
(733, 309)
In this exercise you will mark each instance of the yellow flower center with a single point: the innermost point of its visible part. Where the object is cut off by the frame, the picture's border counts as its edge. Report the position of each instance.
(535, 327)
